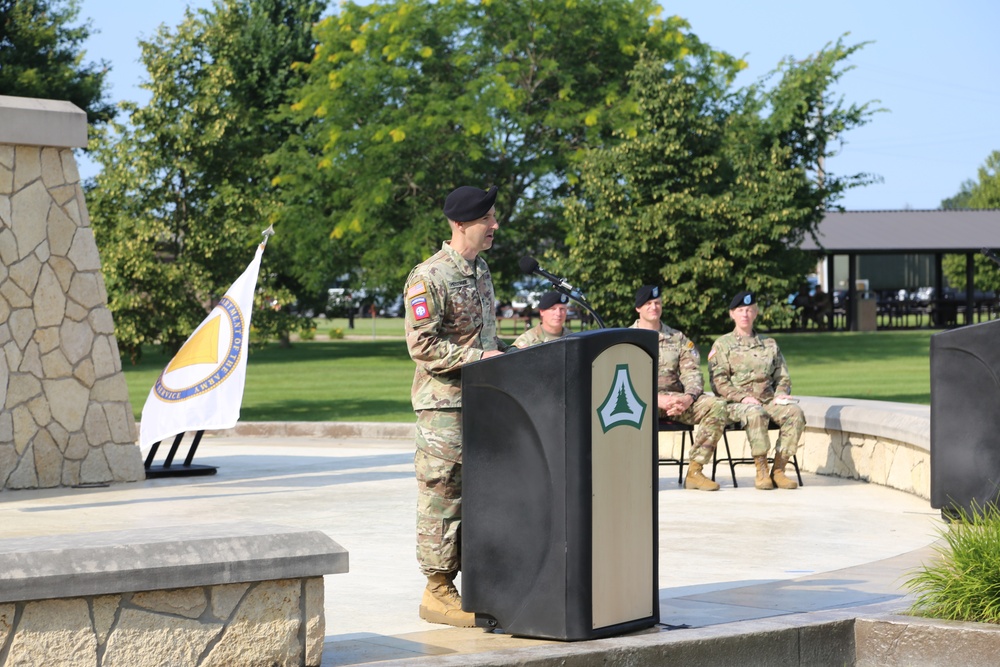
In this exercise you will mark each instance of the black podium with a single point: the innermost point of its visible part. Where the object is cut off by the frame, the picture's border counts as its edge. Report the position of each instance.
(559, 486)
(965, 418)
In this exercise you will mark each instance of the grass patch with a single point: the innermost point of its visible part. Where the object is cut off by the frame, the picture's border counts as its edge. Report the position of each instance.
(338, 380)
(963, 584)
(361, 379)
(882, 366)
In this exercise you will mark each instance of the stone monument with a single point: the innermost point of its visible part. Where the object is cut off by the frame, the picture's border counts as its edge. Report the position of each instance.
(66, 418)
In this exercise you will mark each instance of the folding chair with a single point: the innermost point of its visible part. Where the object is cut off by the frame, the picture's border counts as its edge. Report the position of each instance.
(686, 431)
(734, 461)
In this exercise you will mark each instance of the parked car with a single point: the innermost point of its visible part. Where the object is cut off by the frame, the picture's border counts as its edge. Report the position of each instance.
(523, 302)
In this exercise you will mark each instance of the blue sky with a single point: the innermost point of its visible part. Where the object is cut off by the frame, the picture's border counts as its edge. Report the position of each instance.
(932, 64)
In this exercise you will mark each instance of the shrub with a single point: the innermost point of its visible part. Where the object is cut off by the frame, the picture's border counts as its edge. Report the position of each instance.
(307, 332)
(336, 333)
(963, 583)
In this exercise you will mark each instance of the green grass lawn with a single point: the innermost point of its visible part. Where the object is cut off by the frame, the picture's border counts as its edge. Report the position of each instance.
(360, 379)
(882, 366)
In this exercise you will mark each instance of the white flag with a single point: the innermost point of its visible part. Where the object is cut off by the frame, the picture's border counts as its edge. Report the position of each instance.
(202, 386)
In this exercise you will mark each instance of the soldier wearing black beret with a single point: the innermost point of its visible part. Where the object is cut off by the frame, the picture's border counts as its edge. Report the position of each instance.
(749, 371)
(467, 203)
(744, 298)
(552, 309)
(679, 384)
(450, 322)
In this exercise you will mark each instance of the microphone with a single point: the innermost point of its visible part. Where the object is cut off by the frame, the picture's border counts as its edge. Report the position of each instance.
(530, 265)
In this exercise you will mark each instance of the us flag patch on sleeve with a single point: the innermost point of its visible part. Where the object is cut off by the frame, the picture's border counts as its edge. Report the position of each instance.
(416, 289)
(420, 309)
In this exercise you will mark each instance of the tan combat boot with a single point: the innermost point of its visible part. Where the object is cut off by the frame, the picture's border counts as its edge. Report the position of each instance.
(778, 473)
(763, 480)
(696, 480)
(442, 604)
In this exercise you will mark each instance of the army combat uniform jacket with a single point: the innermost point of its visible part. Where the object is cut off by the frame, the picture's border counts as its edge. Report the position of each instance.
(679, 372)
(450, 322)
(741, 366)
(680, 363)
(536, 335)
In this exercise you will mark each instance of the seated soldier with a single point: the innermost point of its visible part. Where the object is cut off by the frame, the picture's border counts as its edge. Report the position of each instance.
(679, 387)
(748, 370)
(552, 311)
(822, 311)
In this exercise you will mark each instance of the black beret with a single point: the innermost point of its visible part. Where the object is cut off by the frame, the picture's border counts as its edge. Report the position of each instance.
(550, 299)
(744, 298)
(467, 203)
(646, 293)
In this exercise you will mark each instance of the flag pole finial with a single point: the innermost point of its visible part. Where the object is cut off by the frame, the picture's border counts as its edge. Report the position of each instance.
(267, 233)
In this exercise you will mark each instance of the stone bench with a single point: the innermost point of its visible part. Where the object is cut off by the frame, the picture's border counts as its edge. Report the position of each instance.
(217, 594)
(875, 441)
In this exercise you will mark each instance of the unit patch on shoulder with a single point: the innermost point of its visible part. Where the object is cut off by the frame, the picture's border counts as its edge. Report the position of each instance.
(416, 289)
(421, 310)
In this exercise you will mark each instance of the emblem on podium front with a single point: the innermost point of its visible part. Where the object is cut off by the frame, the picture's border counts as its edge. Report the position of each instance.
(622, 406)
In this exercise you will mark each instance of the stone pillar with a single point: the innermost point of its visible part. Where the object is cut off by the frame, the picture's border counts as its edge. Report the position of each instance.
(66, 417)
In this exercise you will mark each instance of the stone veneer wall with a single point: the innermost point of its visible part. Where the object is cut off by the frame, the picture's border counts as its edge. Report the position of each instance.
(262, 623)
(66, 417)
(198, 595)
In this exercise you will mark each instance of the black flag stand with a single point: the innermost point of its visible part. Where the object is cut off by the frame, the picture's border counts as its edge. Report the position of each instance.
(167, 469)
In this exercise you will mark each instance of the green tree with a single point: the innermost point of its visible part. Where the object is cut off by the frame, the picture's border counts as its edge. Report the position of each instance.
(184, 191)
(983, 193)
(41, 55)
(711, 194)
(406, 99)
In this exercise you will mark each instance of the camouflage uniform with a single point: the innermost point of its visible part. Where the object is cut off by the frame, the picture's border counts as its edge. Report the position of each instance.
(741, 366)
(680, 373)
(536, 335)
(450, 322)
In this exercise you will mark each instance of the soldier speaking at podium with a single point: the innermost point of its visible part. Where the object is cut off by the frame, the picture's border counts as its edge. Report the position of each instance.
(450, 322)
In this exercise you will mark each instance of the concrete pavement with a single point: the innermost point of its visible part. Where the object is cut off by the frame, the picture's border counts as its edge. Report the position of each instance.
(726, 560)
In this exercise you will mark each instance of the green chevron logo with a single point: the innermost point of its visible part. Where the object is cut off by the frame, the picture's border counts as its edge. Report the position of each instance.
(622, 406)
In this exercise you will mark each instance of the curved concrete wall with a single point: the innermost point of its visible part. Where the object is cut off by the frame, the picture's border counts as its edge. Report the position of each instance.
(875, 441)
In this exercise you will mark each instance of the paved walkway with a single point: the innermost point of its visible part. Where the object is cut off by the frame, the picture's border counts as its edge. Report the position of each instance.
(731, 556)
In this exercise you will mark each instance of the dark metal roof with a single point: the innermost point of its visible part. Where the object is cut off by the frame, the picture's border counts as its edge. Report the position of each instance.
(890, 232)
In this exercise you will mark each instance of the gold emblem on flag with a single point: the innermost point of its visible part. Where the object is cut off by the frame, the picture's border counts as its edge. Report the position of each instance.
(201, 348)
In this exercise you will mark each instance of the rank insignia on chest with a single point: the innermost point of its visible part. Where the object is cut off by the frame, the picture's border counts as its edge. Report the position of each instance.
(421, 311)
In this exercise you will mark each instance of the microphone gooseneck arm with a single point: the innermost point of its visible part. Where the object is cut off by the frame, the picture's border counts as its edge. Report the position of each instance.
(530, 265)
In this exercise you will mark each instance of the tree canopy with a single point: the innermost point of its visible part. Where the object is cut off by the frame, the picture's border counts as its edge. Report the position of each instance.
(184, 191)
(713, 193)
(406, 99)
(613, 134)
(982, 193)
(41, 55)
